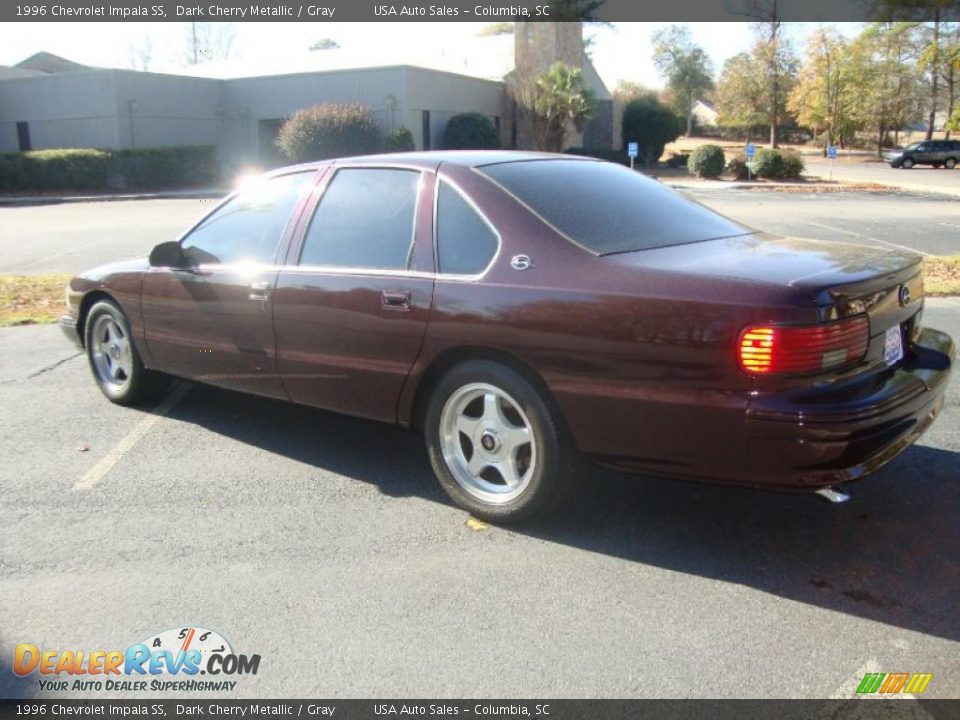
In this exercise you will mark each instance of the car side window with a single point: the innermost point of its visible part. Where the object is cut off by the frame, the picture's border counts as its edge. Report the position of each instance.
(247, 228)
(365, 219)
(465, 242)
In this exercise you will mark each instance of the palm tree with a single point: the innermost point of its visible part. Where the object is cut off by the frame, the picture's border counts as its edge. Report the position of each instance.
(561, 99)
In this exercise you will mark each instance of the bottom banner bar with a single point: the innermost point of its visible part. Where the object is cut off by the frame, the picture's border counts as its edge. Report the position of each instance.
(488, 709)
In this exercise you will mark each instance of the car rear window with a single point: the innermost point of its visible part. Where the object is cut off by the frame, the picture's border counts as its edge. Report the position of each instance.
(608, 208)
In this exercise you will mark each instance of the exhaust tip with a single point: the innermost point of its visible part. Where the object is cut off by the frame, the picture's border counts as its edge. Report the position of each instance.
(832, 494)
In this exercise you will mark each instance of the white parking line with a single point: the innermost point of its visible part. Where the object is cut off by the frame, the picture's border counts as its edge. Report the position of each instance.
(106, 463)
(867, 237)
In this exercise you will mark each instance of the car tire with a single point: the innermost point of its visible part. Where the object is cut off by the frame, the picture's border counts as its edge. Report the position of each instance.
(114, 360)
(907, 163)
(950, 163)
(497, 443)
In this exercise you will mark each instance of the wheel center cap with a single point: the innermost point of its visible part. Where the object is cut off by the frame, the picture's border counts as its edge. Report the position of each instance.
(114, 352)
(489, 441)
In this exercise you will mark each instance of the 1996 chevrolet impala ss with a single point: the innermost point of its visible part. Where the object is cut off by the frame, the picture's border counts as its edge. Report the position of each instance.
(524, 311)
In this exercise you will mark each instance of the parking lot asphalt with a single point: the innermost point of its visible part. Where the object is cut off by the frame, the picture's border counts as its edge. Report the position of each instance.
(76, 236)
(324, 544)
(922, 178)
(923, 223)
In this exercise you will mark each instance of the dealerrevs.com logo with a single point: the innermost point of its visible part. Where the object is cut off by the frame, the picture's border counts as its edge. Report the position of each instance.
(171, 660)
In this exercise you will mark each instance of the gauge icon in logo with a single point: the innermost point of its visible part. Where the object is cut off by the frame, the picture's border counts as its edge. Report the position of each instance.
(184, 639)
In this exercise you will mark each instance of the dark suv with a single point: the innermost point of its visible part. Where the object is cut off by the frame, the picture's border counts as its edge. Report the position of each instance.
(939, 153)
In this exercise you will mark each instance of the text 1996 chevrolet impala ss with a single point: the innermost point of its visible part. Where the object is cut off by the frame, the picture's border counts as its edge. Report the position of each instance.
(526, 310)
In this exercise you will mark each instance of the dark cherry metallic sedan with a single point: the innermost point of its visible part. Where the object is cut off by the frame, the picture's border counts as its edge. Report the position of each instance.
(524, 311)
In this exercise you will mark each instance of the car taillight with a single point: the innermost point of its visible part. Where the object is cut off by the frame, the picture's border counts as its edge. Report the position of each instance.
(802, 349)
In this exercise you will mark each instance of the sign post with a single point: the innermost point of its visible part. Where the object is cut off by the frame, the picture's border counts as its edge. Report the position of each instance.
(831, 155)
(751, 150)
(633, 150)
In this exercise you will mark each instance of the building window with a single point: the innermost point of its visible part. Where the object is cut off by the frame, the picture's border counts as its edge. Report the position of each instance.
(23, 136)
(425, 129)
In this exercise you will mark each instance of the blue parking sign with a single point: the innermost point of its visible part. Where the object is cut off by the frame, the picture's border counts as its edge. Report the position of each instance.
(751, 150)
(633, 149)
(832, 152)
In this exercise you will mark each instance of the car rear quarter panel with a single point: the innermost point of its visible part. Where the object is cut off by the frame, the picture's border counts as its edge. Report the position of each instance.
(640, 361)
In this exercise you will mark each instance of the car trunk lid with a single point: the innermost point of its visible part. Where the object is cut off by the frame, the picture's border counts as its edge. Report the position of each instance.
(830, 280)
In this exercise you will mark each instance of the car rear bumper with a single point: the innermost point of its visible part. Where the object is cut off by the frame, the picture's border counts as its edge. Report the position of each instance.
(797, 440)
(68, 324)
(836, 436)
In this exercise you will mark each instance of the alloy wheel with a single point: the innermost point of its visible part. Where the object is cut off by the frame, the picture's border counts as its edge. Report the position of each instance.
(111, 353)
(488, 443)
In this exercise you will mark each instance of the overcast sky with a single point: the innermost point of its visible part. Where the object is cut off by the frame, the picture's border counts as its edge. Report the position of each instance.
(621, 52)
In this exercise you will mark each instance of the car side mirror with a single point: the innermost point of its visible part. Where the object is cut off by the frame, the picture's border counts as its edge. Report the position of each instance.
(167, 254)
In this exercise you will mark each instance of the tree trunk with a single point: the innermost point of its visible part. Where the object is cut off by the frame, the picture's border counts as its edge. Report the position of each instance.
(880, 141)
(690, 122)
(951, 100)
(934, 73)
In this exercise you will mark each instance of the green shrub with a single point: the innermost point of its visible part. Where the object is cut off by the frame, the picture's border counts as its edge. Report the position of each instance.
(738, 167)
(706, 161)
(678, 160)
(614, 156)
(400, 140)
(470, 131)
(92, 169)
(775, 165)
(792, 167)
(168, 167)
(329, 130)
(68, 168)
(650, 124)
(768, 163)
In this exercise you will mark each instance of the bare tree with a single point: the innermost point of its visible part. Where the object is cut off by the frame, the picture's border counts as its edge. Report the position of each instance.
(140, 53)
(210, 41)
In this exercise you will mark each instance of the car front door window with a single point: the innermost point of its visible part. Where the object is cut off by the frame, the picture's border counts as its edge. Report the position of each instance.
(246, 229)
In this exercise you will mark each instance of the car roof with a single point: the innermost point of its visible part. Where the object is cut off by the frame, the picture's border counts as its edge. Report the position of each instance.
(434, 158)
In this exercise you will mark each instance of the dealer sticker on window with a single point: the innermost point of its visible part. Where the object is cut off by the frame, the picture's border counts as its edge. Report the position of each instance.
(893, 346)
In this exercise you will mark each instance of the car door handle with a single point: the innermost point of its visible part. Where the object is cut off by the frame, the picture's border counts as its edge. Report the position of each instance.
(395, 299)
(259, 290)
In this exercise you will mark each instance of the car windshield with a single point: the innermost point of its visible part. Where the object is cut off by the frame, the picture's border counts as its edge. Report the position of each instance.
(607, 208)
(912, 146)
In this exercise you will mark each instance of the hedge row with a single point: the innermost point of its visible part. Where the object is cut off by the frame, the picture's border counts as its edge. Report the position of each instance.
(91, 169)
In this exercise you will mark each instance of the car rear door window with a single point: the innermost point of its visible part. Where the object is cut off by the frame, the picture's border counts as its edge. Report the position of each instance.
(247, 228)
(465, 242)
(365, 219)
(607, 208)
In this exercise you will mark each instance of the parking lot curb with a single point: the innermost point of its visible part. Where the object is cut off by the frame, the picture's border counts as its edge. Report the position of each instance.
(200, 194)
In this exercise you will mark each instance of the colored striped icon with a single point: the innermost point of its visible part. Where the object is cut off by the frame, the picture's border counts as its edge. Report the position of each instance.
(892, 683)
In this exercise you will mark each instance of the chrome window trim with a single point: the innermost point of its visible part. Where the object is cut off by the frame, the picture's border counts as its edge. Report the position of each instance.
(301, 269)
(460, 277)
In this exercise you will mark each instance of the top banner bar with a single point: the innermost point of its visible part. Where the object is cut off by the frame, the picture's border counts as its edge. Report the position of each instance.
(465, 11)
